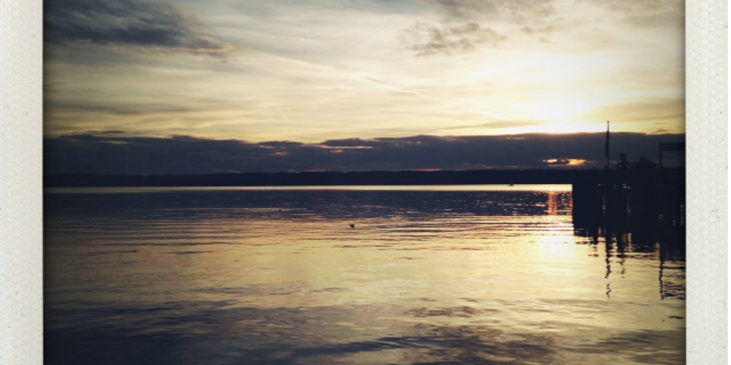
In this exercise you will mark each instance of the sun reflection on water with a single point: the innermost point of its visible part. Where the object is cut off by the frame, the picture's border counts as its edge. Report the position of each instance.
(419, 277)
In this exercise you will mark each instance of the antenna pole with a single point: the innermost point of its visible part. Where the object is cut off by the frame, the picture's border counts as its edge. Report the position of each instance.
(606, 148)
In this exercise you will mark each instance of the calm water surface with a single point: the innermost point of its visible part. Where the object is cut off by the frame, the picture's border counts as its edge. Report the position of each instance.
(426, 275)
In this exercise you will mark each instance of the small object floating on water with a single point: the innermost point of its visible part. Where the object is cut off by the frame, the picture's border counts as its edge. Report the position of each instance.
(352, 225)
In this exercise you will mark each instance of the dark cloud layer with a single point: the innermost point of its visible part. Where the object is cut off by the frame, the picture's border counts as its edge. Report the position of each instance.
(118, 154)
(127, 23)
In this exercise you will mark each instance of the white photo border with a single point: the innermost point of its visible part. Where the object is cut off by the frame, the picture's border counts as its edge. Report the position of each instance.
(21, 187)
(706, 121)
(21, 214)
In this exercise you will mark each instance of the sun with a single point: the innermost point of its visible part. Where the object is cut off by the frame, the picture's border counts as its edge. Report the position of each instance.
(559, 110)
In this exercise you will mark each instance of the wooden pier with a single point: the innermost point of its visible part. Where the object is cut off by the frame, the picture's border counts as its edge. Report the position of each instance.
(644, 201)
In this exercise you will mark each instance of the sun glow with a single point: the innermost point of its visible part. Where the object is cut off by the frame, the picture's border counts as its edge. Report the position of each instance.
(559, 110)
(565, 162)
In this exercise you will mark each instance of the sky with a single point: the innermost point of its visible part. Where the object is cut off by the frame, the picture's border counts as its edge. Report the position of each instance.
(307, 72)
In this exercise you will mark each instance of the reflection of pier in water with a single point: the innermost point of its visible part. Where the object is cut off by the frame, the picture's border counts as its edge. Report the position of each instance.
(636, 210)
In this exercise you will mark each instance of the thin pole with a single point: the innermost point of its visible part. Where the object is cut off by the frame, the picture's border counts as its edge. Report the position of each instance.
(659, 160)
(606, 148)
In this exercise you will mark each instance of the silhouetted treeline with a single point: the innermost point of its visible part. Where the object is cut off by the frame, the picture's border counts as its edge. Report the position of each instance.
(117, 154)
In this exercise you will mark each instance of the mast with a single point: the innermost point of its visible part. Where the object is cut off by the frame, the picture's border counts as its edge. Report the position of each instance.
(606, 148)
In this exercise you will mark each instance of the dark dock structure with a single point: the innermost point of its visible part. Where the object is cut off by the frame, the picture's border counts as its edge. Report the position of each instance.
(641, 202)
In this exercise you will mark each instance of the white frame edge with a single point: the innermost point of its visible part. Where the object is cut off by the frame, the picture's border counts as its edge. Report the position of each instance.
(21, 233)
(706, 57)
(21, 214)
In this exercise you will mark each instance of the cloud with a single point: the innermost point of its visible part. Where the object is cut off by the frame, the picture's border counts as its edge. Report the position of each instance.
(427, 39)
(646, 110)
(590, 24)
(494, 9)
(120, 109)
(465, 8)
(115, 153)
(142, 23)
(537, 30)
(498, 124)
(467, 25)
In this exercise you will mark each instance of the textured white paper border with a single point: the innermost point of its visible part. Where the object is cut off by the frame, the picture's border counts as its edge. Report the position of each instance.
(21, 231)
(21, 301)
(706, 61)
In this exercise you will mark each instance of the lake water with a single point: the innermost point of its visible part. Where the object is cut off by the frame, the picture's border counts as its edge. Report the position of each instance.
(350, 275)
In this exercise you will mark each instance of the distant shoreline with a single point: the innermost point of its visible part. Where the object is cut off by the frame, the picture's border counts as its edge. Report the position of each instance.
(558, 188)
(333, 178)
